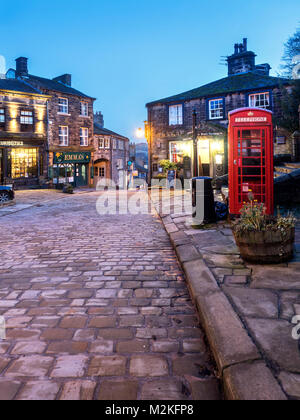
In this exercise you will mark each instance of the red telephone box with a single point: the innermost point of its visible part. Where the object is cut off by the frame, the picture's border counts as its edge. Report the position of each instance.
(251, 158)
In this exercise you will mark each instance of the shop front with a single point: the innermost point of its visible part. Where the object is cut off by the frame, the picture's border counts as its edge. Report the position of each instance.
(71, 168)
(21, 163)
(211, 155)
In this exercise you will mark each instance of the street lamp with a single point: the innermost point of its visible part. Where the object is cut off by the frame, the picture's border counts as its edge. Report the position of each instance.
(140, 134)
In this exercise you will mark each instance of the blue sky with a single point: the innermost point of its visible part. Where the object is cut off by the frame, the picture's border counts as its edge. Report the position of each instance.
(128, 52)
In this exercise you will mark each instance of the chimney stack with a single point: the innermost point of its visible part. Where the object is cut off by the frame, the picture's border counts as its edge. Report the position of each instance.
(66, 79)
(245, 44)
(99, 119)
(22, 66)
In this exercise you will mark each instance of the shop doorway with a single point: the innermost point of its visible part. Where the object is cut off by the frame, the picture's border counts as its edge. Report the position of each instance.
(204, 157)
(81, 175)
(101, 171)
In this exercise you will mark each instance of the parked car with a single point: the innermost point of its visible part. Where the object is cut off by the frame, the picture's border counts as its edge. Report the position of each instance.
(6, 193)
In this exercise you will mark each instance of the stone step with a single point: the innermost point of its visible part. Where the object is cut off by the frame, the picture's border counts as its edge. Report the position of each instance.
(295, 165)
(277, 174)
(284, 169)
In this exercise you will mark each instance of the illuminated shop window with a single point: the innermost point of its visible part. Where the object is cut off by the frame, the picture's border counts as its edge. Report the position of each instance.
(24, 163)
(260, 100)
(84, 137)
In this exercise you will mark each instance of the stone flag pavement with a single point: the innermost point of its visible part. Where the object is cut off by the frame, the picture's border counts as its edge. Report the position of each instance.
(96, 307)
(250, 313)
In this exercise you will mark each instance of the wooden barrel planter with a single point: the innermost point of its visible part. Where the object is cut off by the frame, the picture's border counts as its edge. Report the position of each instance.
(266, 247)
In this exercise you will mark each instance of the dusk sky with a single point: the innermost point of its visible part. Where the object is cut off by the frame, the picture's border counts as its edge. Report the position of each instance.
(126, 53)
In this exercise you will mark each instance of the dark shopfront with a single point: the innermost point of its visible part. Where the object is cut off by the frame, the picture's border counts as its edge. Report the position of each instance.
(21, 163)
(71, 168)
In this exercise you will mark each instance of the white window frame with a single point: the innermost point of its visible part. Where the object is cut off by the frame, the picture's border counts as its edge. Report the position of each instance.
(114, 144)
(63, 108)
(63, 135)
(121, 145)
(84, 109)
(101, 143)
(176, 115)
(264, 100)
(107, 143)
(84, 136)
(216, 109)
(26, 117)
(2, 115)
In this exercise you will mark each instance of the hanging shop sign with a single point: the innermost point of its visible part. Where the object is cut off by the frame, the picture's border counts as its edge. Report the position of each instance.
(71, 157)
(11, 143)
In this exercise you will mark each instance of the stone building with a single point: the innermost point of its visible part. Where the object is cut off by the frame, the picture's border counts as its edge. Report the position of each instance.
(70, 126)
(111, 154)
(23, 134)
(169, 128)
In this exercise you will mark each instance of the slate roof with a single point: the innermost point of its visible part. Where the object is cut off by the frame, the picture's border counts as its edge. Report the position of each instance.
(105, 132)
(56, 86)
(18, 86)
(236, 83)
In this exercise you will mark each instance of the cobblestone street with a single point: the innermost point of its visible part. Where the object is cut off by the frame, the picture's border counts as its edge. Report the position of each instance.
(96, 307)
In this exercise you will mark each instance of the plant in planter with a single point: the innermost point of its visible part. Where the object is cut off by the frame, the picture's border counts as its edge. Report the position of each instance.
(264, 239)
(68, 189)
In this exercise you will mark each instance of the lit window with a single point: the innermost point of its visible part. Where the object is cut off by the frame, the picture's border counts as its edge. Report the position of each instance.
(175, 115)
(216, 109)
(84, 109)
(107, 143)
(2, 116)
(101, 143)
(26, 117)
(63, 106)
(84, 137)
(174, 152)
(24, 163)
(260, 100)
(63, 136)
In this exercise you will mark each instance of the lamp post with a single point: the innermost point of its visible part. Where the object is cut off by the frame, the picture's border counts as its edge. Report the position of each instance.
(195, 146)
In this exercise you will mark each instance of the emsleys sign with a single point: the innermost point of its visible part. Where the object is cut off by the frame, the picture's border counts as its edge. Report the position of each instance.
(71, 157)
